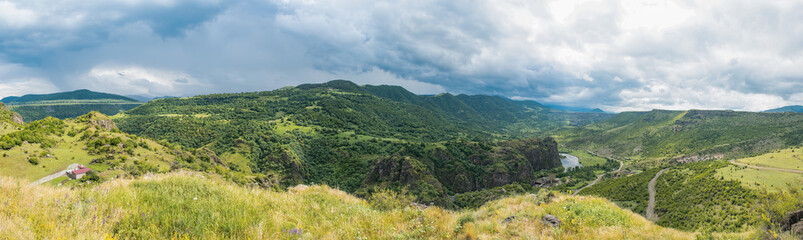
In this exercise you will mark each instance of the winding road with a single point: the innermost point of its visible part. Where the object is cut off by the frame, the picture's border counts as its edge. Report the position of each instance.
(598, 178)
(651, 188)
(766, 168)
(56, 175)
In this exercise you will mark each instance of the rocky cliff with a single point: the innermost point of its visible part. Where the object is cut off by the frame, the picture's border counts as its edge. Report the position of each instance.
(458, 167)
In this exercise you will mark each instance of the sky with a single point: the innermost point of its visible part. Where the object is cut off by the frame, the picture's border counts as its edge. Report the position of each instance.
(614, 55)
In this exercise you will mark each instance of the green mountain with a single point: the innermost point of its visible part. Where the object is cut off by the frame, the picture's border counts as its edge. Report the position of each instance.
(794, 108)
(68, 104)
(81, 94)
(352, 136)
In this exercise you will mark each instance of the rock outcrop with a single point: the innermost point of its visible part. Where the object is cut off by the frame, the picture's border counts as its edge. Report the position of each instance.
(9, 115)
(794, 222)
(98, 120)
(460, 167)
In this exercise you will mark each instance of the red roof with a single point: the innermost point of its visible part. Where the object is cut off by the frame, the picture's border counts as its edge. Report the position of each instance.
(81, 171)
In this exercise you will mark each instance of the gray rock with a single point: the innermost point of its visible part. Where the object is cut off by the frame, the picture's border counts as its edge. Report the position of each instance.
(509, 219)
(797, 229)
(791, 219)
(552, 220)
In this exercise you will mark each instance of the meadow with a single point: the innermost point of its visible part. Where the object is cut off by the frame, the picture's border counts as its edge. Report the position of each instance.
(788, 158)
(191, 205)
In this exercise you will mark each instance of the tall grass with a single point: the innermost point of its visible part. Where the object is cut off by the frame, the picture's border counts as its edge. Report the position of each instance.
(186, 205)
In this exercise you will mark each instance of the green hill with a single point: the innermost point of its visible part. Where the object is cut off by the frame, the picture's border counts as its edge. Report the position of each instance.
(40, 148)
(82, 94)
(688, 135)
(195, 206)
(339, 133)
(68, 104)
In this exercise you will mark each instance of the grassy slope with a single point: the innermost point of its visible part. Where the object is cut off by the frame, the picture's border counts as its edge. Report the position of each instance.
(789, 158)
(188, 205)
(73, 149)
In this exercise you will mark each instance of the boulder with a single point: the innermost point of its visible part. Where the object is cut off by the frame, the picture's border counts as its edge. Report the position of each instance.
(509, 219)
(552, 220)
(797, 229)
(791, 219)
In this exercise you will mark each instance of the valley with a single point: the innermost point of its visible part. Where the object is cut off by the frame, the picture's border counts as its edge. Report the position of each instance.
(692, 172)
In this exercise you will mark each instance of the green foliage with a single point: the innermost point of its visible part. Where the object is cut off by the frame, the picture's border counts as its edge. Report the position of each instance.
(92, 176)
(476, 199)
(33, 160)
(386, 199)
(773, 207)
(691, 197)
(35, 132)
(628, 192)
(331, 133)
(63, 111)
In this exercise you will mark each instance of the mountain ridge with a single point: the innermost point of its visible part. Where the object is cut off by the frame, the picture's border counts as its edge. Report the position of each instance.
(81, 94)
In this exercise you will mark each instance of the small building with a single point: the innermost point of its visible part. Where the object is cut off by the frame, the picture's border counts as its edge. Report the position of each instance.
(78, 173)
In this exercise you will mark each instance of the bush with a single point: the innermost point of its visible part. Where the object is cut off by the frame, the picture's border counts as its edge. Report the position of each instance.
(385, 199)
(91, 176)
(33, 160)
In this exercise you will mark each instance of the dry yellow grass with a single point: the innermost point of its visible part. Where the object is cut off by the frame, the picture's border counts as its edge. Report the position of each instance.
(192, 205)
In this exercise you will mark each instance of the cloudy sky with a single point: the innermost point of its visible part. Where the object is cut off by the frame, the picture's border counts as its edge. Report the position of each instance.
(614, 55)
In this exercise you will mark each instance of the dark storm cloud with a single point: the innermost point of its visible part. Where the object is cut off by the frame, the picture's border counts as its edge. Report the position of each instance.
(616, 55)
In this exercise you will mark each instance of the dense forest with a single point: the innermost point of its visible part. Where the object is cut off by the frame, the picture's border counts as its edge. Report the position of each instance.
(62, 111)
(355, 137)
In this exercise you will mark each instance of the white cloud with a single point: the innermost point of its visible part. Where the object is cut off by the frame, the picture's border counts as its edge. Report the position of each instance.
(138, 80)
(617, 54)
(18, 79)
(12, 16)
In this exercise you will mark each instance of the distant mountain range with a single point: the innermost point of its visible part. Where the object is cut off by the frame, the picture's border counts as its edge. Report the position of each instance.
(82, 94)
(68, 104)
(793, 108)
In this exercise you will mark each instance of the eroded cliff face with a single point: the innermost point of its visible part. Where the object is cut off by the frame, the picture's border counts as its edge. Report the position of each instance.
(98, 120)
(8, 115)
(459, 167)
(410, 173)
(506, 163)
(16, 118)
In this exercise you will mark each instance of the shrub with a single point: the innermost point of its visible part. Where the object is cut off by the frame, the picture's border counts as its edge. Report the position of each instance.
(33, 160)
(386, 199)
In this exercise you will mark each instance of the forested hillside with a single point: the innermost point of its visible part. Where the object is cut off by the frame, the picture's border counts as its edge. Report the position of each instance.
(355, 137)
(34, 150)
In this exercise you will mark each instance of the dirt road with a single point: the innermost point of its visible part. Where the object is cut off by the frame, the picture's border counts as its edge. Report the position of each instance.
(766, 168)
(598, 178)
(651, 188)
(56, 175)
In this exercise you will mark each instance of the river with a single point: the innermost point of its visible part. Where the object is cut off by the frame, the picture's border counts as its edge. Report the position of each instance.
(569, 161)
